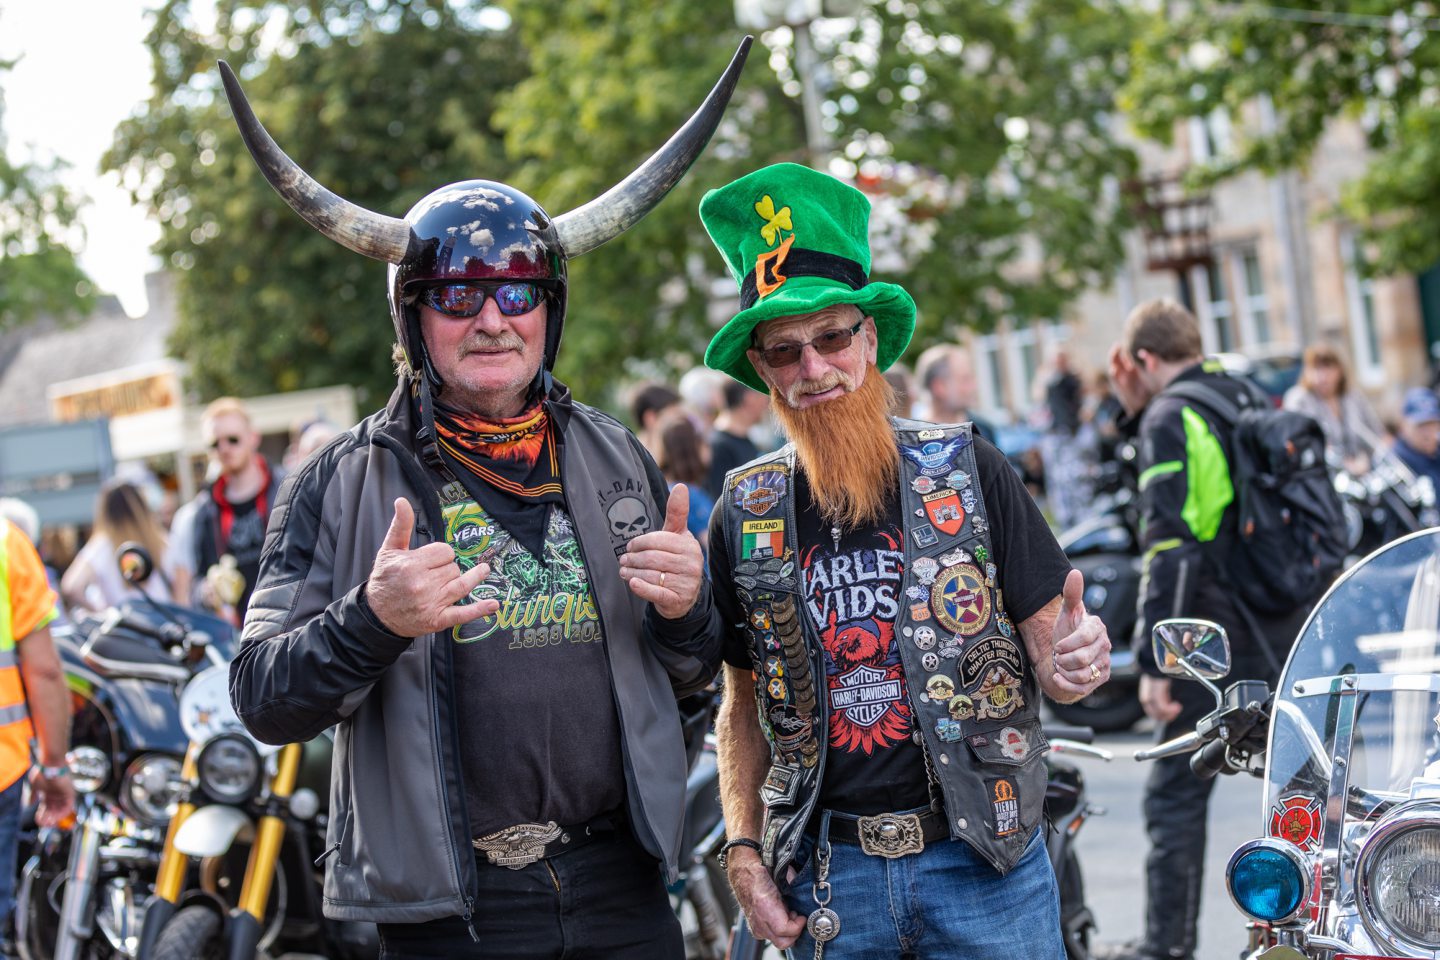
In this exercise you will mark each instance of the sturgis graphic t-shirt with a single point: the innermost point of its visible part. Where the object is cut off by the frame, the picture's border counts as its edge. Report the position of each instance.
(539, 735)
(853, 591)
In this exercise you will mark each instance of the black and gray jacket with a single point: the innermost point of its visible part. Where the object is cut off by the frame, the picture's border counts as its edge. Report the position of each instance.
(981, 734)
(313, 655)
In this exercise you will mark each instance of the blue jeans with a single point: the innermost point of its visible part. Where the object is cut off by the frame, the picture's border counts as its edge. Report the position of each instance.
(9, 844)
(944, 902)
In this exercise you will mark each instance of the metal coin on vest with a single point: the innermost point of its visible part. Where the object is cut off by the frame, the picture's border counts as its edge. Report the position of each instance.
(960, 600)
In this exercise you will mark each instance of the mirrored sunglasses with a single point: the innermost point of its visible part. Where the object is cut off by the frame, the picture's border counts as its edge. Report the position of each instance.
(513, 298)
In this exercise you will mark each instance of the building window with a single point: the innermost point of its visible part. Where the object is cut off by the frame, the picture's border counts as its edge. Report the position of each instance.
(1210, 136)
(1216, 310)
(987, 370)
(1022, 359)
(1360, 301)
(1254, 305)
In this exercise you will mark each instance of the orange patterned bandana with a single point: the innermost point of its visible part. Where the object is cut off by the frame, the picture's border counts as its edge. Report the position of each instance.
(515, 454)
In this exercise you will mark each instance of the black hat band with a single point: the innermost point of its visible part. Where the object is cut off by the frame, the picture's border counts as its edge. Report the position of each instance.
(800, 262)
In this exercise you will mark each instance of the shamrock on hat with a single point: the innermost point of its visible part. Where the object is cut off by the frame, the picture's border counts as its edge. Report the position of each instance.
(797, 241)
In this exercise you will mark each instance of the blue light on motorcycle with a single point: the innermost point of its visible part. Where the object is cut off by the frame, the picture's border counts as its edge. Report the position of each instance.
(1269, 880)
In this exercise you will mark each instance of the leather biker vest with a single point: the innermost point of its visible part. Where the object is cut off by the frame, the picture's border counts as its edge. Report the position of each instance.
(973, 694)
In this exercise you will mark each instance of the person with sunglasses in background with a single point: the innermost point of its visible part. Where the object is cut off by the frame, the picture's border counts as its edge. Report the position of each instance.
(227, 518)
(895, 606)
(489, 588)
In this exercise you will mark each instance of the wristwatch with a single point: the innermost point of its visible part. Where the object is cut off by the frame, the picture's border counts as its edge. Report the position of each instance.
(51, 773)
(724, 856)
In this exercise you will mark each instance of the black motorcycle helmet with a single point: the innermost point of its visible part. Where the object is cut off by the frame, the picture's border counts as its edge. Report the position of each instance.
(478, 229)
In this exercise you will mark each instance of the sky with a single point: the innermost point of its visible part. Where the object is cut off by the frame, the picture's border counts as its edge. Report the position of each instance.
(83, 68)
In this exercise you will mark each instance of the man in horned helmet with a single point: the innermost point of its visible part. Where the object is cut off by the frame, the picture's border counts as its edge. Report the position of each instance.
(485, 586)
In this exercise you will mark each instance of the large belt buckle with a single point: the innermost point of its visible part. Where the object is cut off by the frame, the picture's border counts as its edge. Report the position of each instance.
(521, 845)
(891, 835)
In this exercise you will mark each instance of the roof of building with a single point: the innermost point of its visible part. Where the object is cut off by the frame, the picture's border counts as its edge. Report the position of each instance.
(51, 350)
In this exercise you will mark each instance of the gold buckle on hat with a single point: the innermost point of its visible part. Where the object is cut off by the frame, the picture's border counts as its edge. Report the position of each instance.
(891, 835)
(521, 845)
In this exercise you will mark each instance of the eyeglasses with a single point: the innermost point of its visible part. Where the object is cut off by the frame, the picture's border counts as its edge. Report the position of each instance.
(788, 352)
(226, 441)
(463, 300)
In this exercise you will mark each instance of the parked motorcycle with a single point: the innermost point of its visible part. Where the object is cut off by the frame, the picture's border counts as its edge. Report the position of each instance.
(81, 890)
(1385, 504)
(1066, 810)
(239, 874)
(1105, 549)
(1348, 861)
(701, 896)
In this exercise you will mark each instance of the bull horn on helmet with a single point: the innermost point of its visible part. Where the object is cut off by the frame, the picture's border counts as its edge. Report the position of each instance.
(349, 224)
(625, 204)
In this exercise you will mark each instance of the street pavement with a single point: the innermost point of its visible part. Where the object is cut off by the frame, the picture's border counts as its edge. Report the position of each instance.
(1113, 847)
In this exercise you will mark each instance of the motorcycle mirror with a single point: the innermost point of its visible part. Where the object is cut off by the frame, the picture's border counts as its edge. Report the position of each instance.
(134, 562)
(1194, 648)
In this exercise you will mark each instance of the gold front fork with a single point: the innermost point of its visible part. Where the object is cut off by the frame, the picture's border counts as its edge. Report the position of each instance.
(170, 879)
(269, 834)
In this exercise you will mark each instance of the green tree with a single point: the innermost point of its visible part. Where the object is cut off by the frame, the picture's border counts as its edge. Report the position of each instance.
(38, 223)
(983, 129)
(1313, 61)
(380, 105)
(985, 126)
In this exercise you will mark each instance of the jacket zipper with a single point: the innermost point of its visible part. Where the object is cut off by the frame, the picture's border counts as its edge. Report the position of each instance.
(420, 482)
(632, 786)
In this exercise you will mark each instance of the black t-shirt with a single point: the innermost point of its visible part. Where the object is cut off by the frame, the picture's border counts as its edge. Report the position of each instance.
(727, 451)
(246, 538)
(853, 592)
(539, 732)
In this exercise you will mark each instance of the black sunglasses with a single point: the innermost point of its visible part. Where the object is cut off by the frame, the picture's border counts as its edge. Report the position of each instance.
(788, 352)
(514, 298)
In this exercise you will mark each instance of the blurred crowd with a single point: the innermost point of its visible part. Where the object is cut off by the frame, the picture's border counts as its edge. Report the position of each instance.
(1068, 447)
(204, 552)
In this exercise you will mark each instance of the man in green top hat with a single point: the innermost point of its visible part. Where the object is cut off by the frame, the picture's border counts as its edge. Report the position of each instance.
(896, 603)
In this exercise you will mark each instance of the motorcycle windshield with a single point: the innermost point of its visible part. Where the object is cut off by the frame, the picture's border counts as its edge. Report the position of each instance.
(1363, 679)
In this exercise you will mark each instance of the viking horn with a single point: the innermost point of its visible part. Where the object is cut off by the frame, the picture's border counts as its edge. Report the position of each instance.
(625, 204)
(364, 231)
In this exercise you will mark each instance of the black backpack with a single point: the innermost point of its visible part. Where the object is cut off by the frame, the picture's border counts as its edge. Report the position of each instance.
(1291, 540)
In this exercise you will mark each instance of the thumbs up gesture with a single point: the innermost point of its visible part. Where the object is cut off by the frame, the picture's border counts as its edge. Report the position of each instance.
(665, 566)
(415, 592)
(1080, 646)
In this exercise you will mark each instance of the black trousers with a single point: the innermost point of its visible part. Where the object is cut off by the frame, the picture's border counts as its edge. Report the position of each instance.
(605, 899)
(1176, 807)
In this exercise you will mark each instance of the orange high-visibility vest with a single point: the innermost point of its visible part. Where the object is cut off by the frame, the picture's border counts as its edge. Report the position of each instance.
(15, 729)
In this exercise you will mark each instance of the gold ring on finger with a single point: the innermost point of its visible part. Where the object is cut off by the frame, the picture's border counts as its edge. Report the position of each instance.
(662, 578)
(1094, 672)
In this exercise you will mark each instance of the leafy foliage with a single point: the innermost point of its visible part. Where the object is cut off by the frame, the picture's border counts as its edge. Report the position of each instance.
(38, 221)
(381, 108)
(982, 130)
(1314, 61)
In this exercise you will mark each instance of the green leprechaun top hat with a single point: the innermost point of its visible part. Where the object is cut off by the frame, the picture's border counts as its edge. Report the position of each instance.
(796, 241)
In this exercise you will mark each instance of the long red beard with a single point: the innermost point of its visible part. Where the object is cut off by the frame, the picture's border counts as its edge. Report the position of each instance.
(847, 449)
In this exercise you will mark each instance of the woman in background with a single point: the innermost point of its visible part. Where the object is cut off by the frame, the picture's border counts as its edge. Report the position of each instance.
(1352, 430)
(93, 581)
(684, 457)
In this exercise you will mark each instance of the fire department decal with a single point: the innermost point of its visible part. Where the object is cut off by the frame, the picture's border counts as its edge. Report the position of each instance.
(1297, 819)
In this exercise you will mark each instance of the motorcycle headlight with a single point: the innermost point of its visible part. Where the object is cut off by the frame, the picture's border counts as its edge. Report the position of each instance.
(1269, 880)
(1397, 879)
(89, 769)
(229, 769)
(150, 790)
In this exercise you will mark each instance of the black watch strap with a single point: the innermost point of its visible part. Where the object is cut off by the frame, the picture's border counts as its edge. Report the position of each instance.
(731, 845)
